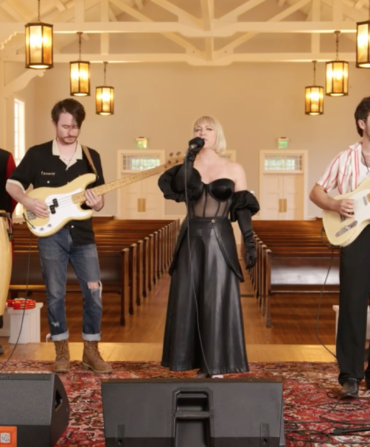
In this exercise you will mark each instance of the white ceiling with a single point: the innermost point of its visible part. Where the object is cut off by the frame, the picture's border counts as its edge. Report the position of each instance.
(199, 32)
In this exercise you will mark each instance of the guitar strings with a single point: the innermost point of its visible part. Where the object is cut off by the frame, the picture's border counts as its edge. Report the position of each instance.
(66, 201)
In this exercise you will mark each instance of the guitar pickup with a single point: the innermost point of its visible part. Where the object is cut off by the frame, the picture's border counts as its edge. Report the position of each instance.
(55, 203)
(52, 209)
(346, 228)
(31, 215)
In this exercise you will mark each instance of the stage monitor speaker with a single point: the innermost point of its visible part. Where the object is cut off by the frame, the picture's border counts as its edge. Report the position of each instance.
(193, 412)
(34, 410)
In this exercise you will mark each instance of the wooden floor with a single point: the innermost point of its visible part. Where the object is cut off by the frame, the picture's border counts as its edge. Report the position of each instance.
(292, 337)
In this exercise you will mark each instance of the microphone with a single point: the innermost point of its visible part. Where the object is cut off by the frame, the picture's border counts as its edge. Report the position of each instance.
(196, 143)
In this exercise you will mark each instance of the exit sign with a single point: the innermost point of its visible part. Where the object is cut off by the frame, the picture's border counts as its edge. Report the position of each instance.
(283, 143)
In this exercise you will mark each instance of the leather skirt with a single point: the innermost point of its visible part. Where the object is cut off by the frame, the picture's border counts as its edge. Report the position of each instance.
(204, 325)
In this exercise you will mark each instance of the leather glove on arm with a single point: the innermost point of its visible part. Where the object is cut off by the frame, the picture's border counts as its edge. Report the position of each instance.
(178, 181)
(244, 218)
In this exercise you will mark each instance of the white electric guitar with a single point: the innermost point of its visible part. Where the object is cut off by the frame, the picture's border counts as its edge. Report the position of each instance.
(64, 203)
(340, 230)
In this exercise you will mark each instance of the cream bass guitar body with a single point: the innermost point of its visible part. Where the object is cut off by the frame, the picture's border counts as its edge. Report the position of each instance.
(342, 231)
(64, 203)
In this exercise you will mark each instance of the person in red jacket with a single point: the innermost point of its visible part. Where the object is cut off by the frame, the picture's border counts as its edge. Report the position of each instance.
(7, 204)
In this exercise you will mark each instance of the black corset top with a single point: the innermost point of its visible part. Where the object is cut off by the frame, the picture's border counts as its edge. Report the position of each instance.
(221, 189)
(215, 200)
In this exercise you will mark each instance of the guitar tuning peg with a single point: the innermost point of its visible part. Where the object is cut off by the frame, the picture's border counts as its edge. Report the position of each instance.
(178, 153)
(171, 154)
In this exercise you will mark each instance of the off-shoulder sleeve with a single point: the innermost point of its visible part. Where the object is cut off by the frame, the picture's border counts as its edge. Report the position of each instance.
(165, 184)
(243, 200)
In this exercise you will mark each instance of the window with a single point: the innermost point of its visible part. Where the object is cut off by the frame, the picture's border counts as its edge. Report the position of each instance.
(140, 162)
(283, 163)
(19, 131)
(19, 141)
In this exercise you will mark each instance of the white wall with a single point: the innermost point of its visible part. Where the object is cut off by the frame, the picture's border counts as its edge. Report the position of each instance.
(256, 103)
(11, 72)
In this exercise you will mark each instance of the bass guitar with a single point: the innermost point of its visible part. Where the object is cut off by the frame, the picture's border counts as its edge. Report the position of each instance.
(340, 230)
(64, 203)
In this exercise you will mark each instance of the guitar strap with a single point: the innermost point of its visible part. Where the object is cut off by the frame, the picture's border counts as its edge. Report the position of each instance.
(88, 156)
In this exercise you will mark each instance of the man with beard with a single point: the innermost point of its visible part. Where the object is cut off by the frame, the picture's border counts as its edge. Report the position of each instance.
(54, 164)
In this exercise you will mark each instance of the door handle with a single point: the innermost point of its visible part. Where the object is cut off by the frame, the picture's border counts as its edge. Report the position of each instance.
(141, 205)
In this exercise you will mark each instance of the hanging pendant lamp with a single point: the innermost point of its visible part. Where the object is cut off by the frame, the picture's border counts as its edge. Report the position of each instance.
(314, 97)
(336, 75)
(39, 44)
(79, 74)
(104, 97)
(363, 44)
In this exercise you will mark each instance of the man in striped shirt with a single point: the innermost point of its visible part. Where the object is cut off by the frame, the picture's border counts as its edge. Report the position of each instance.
(345, 173)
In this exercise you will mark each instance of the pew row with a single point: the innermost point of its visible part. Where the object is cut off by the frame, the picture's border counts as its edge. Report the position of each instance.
(132, 256)
(292, 258)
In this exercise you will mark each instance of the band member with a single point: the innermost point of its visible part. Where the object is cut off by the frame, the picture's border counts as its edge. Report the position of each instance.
(204, 326)
(7, 204)
(55, 164)
(346, 172)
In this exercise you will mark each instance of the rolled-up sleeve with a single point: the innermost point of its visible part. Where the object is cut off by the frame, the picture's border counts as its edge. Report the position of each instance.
(329, 179)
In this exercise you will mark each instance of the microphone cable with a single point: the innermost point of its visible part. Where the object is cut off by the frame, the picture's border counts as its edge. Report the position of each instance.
(26, 293)
(194, 293)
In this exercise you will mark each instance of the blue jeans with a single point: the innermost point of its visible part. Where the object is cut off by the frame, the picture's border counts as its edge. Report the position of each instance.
(55, 253)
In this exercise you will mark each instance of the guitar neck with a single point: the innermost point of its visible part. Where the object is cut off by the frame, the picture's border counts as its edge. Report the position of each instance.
(107, 187)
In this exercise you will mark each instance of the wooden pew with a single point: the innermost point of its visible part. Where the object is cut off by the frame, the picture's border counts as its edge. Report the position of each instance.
(27, 276)
(143, 248)
(292, 258)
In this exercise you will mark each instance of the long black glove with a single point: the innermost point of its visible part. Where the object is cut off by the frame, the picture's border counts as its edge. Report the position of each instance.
(244, 218)
(178, 181)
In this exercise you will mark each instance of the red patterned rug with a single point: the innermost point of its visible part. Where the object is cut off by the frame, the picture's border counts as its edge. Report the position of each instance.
(311, 408)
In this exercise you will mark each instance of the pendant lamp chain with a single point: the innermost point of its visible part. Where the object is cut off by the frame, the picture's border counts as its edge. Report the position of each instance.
(79, 44)
(337, 44)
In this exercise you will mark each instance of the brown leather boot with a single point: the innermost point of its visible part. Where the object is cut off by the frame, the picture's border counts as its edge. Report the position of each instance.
(93, 360)
(61, 363)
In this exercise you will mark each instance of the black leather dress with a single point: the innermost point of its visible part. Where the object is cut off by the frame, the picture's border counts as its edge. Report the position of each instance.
(204, 325)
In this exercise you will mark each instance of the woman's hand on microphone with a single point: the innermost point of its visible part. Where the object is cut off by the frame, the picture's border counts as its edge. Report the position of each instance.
(195, 146)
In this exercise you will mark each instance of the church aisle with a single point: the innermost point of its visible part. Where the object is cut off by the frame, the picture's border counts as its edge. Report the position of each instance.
(292, 338)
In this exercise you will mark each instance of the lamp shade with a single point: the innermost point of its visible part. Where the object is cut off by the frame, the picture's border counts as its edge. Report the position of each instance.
(362, 45)
(80, 78)
(337, 78)
(39, 45)
(104, 100)
(314, 100)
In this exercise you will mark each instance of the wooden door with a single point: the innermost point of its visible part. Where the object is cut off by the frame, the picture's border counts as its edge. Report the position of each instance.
(283, 185)
(143, 199)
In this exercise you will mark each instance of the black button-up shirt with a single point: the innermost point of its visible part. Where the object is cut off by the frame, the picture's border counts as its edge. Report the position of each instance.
(43, 167)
